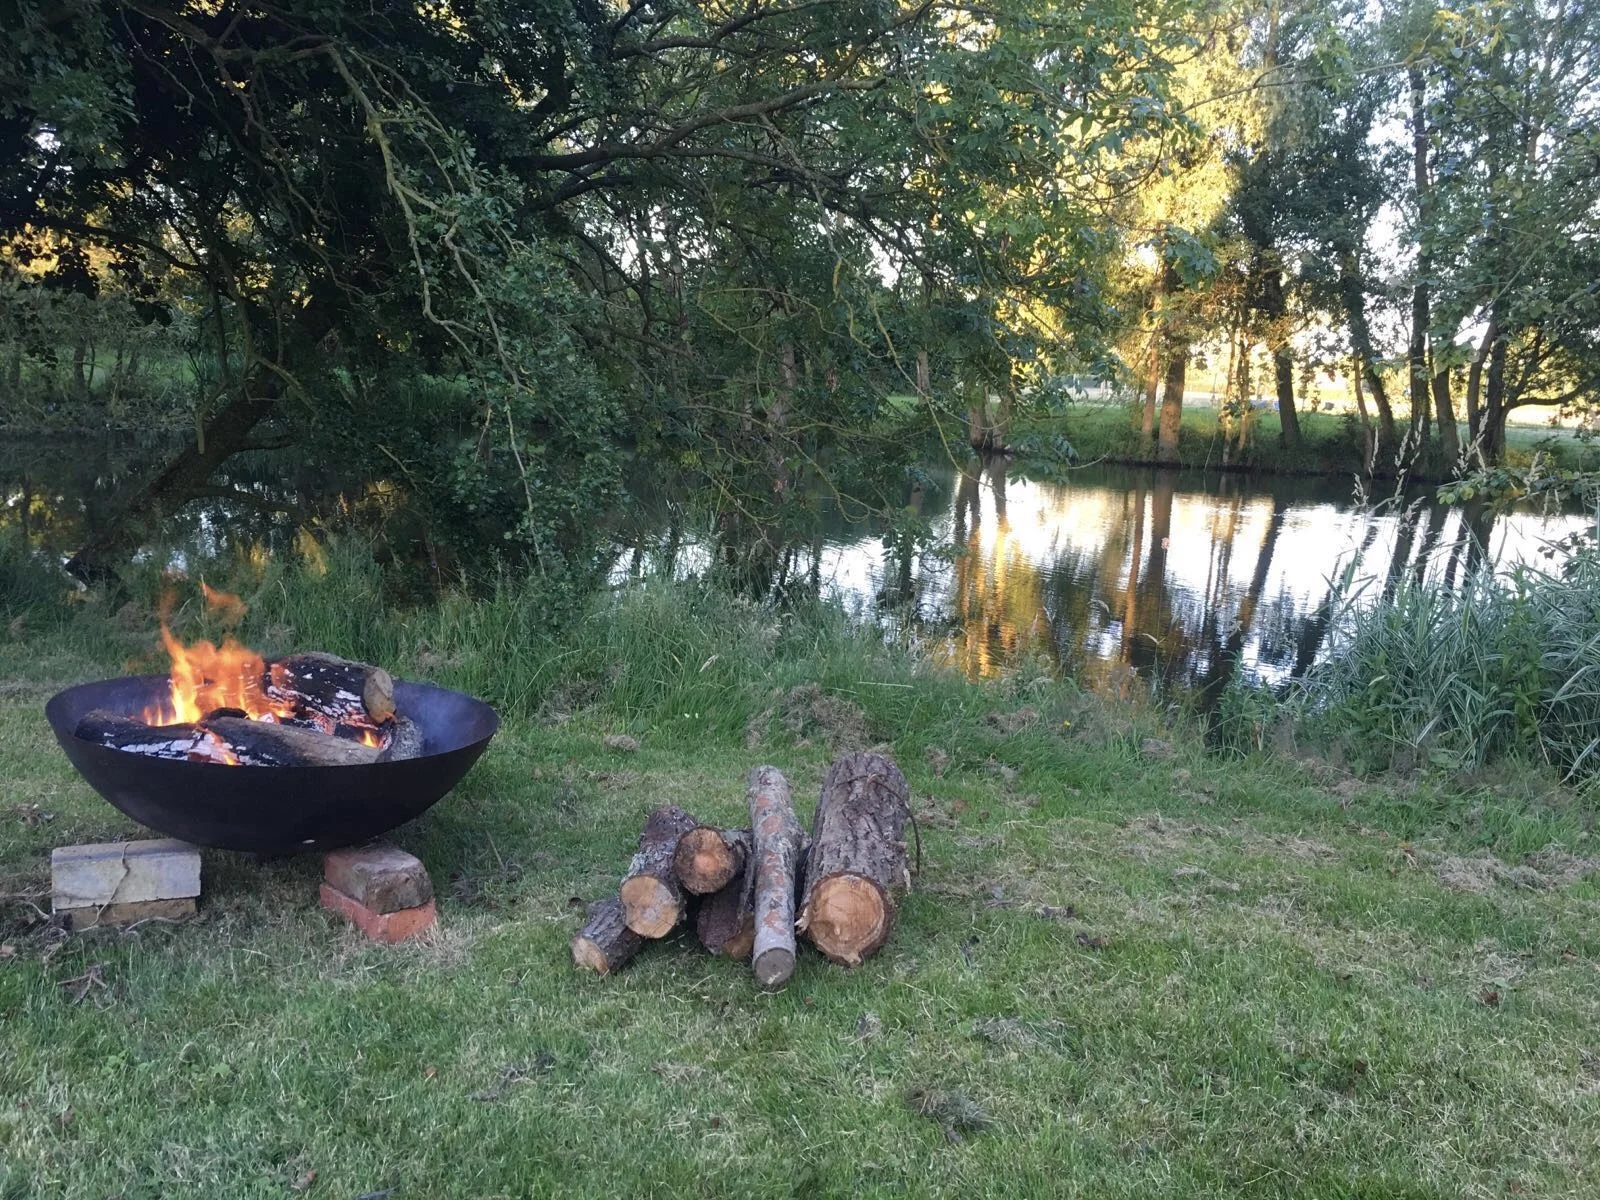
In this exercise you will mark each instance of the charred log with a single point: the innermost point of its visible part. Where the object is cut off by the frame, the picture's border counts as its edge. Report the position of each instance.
(266, 744)
(405, 740)
(180, 742)
(326, 686)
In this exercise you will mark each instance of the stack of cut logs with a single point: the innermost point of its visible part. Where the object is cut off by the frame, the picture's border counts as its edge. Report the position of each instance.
(325, 712)
(749, 891)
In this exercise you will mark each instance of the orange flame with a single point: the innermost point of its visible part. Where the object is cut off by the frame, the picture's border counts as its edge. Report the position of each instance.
(206, 677)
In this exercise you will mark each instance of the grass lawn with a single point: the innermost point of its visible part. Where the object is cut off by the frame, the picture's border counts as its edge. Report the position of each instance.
(1331, 444)
(1128, 969)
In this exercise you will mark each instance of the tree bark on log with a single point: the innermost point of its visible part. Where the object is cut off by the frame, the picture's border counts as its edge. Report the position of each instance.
(778, 839)
(726, 922)
(652, 899)
(266, 744)
(708, 859)
(857, 868)
(332, 687)
(178, 742)
(605, 942)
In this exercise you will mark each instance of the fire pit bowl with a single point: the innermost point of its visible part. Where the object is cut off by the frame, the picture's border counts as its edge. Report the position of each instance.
(274, 810)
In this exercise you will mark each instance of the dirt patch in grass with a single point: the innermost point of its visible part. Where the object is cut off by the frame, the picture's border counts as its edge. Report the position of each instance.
(1551, 867)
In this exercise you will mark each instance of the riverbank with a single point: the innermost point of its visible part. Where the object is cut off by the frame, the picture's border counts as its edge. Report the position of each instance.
(1128, 968)
(1330, 444)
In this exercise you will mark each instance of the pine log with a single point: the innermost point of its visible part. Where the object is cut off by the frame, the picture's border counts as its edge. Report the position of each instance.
(605, 942)
(267, 744)
(709, 858)
(857, 869)
(777, 841)
(333, 688)
(405, 740)
(180, 742)
(651, 897)
(725, 923)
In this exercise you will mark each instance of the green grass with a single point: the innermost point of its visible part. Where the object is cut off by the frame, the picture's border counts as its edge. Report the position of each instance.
(1331, 443)
(1156, 973)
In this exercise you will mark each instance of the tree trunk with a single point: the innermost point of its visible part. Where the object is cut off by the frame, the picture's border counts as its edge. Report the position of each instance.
(1352, 292)
(707, 858)
(1369, 447)
(652, 901)
(778, 841)
(1152, 384)
(1417, 346)
(1444, 410)
(1172, 404)
(1475, 381)
(857, 867)
(605, 942)
(1494, 396)
(924, 375)
(1276, 310)
(80, 385)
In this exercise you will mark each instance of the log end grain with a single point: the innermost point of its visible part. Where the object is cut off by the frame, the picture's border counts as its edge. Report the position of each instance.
(774, 966)
(848, 918)
(653, 908)
(708, 859)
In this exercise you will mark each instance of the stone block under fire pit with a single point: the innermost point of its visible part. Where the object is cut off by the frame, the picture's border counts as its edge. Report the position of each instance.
(381, 890)
(118, 883)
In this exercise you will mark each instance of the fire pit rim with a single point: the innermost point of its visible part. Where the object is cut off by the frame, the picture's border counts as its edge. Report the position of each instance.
(274, 810)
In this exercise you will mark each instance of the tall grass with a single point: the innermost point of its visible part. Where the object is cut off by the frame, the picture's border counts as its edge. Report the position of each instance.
(1506, 666)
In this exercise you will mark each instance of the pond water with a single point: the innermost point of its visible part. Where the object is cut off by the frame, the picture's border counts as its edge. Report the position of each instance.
(1123, 572)
(1112, 574)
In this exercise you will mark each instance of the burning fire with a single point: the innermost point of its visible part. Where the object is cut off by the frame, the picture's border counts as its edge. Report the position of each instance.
(206, 677)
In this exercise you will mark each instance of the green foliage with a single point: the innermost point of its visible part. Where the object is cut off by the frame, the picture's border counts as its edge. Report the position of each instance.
(1509, 666)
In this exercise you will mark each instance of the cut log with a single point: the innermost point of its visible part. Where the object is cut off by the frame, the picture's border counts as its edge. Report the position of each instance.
(709, 858)
(856, 870)
(652, 900)
(333, 688)
(605, 942)
(181, 742)
(265, 744)
(725, 923)
(777, 840)
(405, 741)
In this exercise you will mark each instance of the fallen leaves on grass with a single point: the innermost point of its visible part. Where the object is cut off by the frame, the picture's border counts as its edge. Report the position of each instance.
(954, 1112)
(1489, 997)
(1092, 941)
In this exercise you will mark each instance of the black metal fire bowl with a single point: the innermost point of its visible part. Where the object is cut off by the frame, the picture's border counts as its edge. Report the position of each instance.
(274, 810)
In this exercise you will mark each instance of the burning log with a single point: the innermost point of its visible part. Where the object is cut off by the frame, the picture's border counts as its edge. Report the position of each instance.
(605, 942)
(651, 897)
(324, 685)
(856, 869)
(778, 839)
(405, 740)
(265, 744)
(184, 742)
(709, 858)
